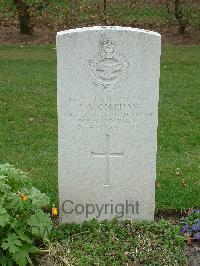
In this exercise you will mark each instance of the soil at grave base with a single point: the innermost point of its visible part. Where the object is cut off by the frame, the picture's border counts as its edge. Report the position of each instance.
(193, 254)
(11, 35)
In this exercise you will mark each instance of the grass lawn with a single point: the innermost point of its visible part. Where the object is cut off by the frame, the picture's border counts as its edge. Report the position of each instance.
(28, 120)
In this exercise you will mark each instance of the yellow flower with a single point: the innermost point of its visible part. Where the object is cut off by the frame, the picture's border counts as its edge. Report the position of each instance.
(22, 196)
(54, 211)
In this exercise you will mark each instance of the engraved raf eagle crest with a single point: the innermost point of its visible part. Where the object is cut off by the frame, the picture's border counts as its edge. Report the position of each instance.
(108, 67)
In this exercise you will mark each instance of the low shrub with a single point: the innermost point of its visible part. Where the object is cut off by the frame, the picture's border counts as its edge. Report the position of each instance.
(116, 243)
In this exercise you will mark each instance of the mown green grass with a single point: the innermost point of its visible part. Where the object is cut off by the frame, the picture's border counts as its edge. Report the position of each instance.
(28, 120)
(28, 126)
(158, 15)
(178, 165)
(143, 14)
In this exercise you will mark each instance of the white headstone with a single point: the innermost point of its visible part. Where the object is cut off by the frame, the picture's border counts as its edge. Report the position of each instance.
(108, 90)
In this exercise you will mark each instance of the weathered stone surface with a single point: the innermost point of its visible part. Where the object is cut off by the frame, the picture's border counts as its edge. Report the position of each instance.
(108, 90)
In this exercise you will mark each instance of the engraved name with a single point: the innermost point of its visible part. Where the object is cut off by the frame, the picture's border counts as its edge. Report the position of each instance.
(118, 111)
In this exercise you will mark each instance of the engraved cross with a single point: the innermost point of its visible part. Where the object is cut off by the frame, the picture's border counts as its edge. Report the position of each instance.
(107, 155)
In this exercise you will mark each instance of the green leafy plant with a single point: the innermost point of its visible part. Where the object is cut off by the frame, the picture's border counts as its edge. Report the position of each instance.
(22, 219)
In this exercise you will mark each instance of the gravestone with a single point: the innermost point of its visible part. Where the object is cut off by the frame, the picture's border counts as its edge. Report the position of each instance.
(108, 91)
